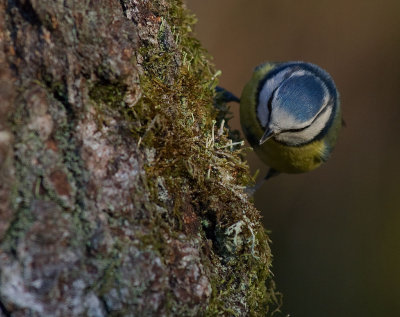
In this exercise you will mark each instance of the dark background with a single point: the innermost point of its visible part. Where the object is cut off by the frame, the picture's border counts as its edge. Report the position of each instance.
(336, 230)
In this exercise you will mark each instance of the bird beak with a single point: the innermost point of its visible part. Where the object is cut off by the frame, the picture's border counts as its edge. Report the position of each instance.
(267, 135)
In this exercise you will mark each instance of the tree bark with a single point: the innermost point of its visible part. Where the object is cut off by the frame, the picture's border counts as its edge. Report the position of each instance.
(119, 192)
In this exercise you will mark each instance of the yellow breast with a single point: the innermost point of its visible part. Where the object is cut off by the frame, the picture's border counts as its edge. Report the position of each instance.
(289, 159)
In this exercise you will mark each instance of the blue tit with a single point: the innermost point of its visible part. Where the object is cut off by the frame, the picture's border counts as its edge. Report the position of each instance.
(290, 114)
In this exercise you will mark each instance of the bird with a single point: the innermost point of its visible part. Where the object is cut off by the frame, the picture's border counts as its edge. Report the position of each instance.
(290, 114)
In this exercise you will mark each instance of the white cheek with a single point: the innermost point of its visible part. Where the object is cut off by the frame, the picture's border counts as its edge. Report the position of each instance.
(265, 95)
(307, 134)
(281, 120)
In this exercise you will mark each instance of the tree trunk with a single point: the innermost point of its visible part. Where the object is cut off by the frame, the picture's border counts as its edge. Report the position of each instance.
(119, 192)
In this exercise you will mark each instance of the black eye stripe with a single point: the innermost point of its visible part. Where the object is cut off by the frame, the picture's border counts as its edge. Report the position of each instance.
(269, 105)
(302, 129)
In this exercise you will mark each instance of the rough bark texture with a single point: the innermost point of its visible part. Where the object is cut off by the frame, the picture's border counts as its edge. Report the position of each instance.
(118, 192)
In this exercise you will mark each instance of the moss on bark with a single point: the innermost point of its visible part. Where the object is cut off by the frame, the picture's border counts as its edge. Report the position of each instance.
(124, 193)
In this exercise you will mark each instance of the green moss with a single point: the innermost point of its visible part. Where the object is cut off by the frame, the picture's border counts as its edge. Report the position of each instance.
(176, 117)
(110, 93)
(192, 155)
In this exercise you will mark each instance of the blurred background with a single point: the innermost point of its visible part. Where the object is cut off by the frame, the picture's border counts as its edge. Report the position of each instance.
(336, 230)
